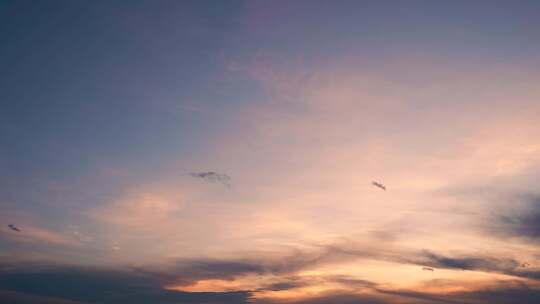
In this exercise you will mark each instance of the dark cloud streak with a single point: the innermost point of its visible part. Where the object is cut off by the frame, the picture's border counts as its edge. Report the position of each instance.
(211, 176)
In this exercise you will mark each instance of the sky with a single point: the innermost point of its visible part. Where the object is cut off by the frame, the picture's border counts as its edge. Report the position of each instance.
(224, 152)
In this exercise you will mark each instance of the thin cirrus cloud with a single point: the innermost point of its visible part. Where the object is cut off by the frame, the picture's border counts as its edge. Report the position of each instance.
(37, 234)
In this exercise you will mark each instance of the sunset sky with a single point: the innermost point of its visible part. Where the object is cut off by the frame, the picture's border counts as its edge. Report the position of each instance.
(113, 111)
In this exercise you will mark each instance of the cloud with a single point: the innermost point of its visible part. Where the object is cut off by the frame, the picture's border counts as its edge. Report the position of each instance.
(184, 272)
(211, 176)
(506, 266)
(523, 223)
(253, 273)
(507, 292)
(497, 292)
(503, 295)
(272, 275)
(285, 285)
(89, 285)
(21, 298)
(37, 234)
(468, 262)
(513, 214)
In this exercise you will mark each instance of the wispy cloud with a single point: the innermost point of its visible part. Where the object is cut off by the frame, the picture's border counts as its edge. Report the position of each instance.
(38, 234)
(153, 284)
(523, 222)
(211, 176)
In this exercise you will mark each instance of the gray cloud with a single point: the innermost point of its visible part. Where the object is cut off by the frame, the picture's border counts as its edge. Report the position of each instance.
(469, 262)
(524, 222)
(503, 295)
(293, 282)
(144, 284)
(21, 298)
(505, 266)
(514, 213)
(188, 271)
(211, 176)
(77, 285)
(89, 285)
(286, 285)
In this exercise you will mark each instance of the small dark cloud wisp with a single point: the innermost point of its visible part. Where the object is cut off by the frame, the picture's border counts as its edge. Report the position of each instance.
(14, 228)
(214, 177)
(378, 185)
